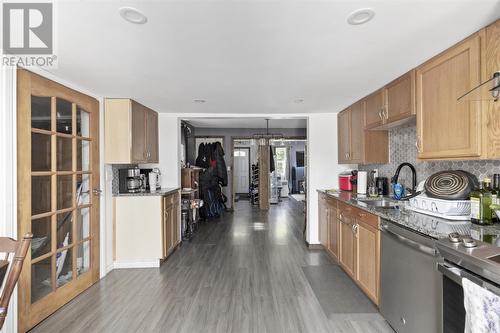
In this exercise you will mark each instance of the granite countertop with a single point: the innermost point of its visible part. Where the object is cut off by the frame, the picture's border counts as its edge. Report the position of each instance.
(160, 192)
(425, 224)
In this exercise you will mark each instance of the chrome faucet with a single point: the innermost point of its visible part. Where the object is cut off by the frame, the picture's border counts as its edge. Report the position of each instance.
(394, 178)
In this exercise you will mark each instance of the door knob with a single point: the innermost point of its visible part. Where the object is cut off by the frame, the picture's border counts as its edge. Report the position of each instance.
(97, 191)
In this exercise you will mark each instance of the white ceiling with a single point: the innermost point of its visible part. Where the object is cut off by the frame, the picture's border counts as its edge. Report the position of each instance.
(254, 56)
(246, 123)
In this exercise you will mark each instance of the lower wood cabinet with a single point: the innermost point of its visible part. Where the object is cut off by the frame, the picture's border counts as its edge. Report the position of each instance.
(353, 239)
(146, 229)
(171, 223)
(367, 258)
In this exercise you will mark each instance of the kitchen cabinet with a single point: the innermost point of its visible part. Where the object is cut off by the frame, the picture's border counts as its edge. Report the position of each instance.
(392, 105)
(447, 128)
(171, 223)
(368, 254)
(347, 255)
(323, 218)
(357, 145)
(146, 229)
(491, 109)
(131, 132)
(374, 110)
(399, 101)
(344, 136)
(333, 229)
(354, 242)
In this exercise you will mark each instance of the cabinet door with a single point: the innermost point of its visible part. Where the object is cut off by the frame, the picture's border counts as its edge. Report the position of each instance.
(138, 133)
(374, 105)
(447, 128)
(367, 268)
(166, 231)
(152, 136)
(177, 224)
(356, 133)
(323, 220)
(400, 98)
(333, 232)
(344, 130)
(347, 246)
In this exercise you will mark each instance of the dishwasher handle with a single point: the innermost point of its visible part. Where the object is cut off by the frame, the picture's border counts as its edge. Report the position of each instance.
(408, 242)
(456, 274)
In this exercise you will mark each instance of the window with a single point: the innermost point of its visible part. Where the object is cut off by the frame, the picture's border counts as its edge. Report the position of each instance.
(281, 161)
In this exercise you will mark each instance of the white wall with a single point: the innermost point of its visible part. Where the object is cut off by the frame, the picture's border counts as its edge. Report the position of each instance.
(170, 155)
(322, 166)
(8, 171)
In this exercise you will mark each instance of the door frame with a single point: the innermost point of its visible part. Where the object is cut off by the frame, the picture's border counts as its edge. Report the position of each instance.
(25, 79)
(249, 162)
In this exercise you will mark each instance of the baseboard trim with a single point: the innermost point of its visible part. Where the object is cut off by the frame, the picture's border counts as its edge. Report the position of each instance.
(136, 264)
(314, 246)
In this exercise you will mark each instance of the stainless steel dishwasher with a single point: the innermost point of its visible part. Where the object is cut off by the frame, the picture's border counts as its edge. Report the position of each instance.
(410, 285)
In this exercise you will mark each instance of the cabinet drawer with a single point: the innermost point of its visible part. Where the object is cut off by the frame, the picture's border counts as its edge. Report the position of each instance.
(367, 218)
(170, 199)
(345, 209)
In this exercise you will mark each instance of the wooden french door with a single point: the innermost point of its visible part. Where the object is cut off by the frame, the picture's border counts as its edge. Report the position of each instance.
(58, 188)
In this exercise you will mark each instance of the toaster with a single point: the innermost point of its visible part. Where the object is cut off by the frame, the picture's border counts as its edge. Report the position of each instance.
(345, 179)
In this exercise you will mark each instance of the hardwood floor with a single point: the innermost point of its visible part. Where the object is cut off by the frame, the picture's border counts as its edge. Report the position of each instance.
(241, 273)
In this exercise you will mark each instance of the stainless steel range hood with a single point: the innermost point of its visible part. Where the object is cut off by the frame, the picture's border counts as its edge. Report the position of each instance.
(486, 91)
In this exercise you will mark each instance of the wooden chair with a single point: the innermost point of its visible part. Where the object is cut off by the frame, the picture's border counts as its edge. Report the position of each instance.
(19, 249)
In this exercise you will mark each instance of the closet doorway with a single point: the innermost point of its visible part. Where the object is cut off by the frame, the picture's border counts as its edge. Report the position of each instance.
(58, 194)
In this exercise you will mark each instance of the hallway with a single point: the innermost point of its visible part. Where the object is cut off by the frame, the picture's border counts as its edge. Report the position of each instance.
(249, 271)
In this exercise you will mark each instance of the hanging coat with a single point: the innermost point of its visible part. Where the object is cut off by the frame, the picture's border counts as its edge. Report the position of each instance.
(201, 159)
(221, 164)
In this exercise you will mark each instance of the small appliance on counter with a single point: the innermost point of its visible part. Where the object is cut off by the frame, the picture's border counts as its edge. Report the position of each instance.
(382, 185)
(346, 179)
(362, 182)
(131, 180)
(150, 176)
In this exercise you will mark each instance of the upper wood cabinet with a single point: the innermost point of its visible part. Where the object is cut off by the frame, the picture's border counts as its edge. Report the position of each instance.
(447, 128)
(357, 145)
(374, 110)
(344, 136)
(131, 132)
(399, 97)
(491, 110)
(392, 105)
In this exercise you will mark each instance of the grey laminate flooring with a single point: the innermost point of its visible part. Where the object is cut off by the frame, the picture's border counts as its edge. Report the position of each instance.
(241, 273)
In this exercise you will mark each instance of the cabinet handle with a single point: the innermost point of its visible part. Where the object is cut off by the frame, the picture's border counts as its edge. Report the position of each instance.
(355, 230)
(385, 113)
(417, 144)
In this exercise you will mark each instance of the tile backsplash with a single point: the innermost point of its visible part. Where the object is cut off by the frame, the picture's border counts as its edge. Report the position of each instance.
(402, 149)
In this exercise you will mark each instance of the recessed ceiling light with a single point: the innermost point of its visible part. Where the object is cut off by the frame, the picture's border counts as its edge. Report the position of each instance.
(132, 15)
(199, 100)
(299, 100)
(360, 16)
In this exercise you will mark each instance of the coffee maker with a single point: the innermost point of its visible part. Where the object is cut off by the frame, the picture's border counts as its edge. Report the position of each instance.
(131, 180)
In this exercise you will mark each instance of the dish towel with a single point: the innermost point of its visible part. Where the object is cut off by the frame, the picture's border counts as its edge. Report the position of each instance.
(482, 309)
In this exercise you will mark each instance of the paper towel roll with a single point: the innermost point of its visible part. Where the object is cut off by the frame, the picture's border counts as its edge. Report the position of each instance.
(362, 182)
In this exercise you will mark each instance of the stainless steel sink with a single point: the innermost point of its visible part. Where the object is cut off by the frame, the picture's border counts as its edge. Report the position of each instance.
(379, 203)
